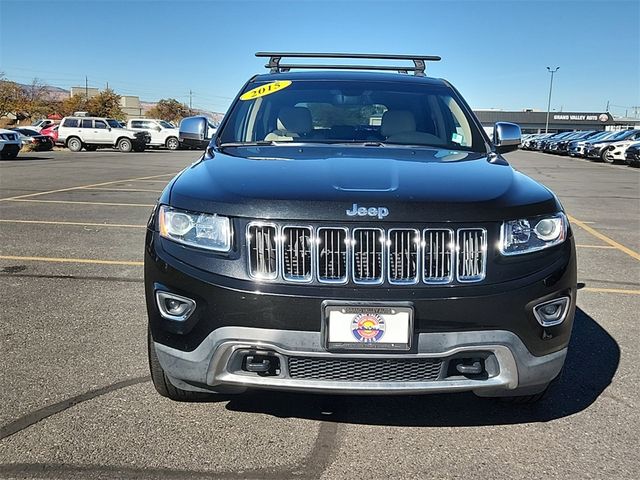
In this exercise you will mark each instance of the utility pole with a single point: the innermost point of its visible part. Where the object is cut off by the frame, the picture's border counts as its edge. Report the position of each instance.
(86, 88)
(546, 127)
(190, 106)
(607, 109)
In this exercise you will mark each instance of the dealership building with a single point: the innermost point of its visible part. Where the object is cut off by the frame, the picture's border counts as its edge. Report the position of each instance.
(535, 121)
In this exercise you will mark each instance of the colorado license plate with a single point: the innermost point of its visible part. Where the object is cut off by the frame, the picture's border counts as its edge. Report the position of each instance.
(368, 327)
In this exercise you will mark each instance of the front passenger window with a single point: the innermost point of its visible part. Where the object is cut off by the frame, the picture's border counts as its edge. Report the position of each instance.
(100, 124)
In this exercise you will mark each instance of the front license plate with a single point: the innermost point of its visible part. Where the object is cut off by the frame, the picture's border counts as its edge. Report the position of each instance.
(361, 327)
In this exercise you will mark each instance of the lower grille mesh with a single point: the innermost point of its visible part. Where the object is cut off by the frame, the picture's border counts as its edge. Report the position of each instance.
(365, 369)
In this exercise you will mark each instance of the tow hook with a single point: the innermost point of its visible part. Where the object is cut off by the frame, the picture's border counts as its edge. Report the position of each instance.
(474, 369)
(262, 364)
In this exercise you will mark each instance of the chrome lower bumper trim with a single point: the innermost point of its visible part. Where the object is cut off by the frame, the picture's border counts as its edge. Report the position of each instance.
(209, 363)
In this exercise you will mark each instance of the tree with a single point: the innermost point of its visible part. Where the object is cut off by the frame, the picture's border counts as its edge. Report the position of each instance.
(105, 104)
(168, 109)
(36, 99)
(26, 101)
(75, 103)
(11, 96)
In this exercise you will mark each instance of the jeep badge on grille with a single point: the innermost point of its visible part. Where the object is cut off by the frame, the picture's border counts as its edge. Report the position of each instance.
(379, 212)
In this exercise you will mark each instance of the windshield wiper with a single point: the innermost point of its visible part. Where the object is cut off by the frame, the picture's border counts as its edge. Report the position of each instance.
(260, 143)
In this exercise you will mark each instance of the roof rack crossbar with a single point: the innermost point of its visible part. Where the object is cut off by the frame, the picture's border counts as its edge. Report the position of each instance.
(418, 61)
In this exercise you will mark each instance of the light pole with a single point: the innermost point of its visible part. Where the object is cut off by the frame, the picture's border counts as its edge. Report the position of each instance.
(546, 127)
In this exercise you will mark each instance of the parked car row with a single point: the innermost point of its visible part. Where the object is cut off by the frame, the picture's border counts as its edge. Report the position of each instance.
(90, 133)
(619, 146)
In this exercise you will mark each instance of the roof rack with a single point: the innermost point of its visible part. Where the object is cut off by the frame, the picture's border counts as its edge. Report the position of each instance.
(418, 61)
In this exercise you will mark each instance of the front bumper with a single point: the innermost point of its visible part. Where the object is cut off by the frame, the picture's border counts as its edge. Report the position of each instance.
(576, 151)
(235, 318)
(10, 148)
(594, 152)
(217, 364)
(616, 155)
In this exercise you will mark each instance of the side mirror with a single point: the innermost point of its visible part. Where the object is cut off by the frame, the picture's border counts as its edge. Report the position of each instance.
(158, 129)
(194, 132)
(506, 137)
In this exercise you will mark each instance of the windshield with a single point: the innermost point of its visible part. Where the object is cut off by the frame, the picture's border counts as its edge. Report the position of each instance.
(113, 123)
(600, 136)
(166, 124)
(312, 111)
(623, 134)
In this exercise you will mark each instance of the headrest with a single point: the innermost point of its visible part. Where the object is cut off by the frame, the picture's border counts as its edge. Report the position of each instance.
(397, 121)
(295, 119)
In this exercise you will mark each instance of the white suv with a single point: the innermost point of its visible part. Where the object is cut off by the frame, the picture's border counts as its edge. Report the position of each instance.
(163, 134)
(96, 132)
(10, 144)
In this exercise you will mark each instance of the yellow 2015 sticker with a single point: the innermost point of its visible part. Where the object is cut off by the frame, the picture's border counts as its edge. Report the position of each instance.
(266, 89)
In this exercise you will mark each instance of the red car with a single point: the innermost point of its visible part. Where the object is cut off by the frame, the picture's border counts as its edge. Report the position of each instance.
(51, 131)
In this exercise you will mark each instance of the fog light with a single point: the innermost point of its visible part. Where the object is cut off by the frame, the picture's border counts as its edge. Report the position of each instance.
(552, 312)
(174, 307)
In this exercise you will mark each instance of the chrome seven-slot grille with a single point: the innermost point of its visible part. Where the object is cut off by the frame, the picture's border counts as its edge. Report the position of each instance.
(399, 256)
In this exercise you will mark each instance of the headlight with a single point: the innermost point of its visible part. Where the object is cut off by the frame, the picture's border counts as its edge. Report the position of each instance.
(532, 234)
(201, 230)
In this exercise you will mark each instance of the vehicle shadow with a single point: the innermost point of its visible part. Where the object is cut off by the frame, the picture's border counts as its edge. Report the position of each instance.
(27, 157)
(592, 362)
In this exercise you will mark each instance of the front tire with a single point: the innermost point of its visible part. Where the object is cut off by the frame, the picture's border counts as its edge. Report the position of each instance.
(172, 143)
(74, 144)
(125, 145)
(603, 157)
(164, 386)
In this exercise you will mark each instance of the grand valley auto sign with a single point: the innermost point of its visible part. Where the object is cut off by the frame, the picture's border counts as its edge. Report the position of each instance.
(532, 122)
(582, 117)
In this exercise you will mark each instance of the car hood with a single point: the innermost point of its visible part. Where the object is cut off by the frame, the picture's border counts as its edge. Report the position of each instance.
(129, 132)
(622, 143)
(322, 183)
(601, 143)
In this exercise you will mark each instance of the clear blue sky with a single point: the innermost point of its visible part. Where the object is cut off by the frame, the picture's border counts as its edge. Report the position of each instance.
(494, 52)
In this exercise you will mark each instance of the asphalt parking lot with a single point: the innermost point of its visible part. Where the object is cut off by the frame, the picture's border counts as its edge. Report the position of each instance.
(76, 401)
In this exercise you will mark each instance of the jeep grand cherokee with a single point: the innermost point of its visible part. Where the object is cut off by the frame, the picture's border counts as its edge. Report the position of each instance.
(356, 232)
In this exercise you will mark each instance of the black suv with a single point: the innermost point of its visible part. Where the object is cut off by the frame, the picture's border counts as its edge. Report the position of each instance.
(356, 232)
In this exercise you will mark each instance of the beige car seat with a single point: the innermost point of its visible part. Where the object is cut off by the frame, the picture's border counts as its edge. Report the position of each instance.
(292, 123)
(399, 126)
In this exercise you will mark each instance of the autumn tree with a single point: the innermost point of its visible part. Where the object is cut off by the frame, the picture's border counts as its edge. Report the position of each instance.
(105, 104)
(74, 103)
(11, 96)
(26, 101)
(37, 100)
(168, 109)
